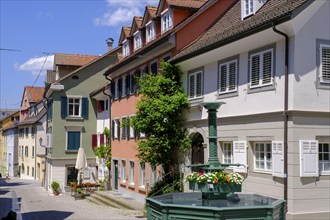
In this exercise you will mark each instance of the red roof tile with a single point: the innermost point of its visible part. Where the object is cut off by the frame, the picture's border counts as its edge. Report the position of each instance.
(73, 59)
(34, 94)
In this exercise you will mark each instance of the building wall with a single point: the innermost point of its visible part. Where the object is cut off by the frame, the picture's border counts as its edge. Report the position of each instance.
(10, 161)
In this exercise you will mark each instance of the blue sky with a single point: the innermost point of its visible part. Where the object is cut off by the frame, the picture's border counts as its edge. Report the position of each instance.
(42, 27)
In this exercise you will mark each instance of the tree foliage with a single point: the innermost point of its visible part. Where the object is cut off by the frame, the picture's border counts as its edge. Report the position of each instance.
(159, 113)
(104, 150)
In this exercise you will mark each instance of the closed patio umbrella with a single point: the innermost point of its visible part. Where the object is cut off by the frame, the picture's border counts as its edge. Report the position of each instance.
(81, 163)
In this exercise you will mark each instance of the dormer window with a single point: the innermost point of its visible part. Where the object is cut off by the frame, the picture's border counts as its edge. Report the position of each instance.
(150, 31)
(167, 20)
(250, 7)
(126, 48)
(137, 40)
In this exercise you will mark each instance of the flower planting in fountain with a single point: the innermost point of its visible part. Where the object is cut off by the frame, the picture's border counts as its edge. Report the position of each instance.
(215, 181)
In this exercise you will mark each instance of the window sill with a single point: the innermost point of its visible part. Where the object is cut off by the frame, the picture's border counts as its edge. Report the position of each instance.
(123, 183)
(322, 85)
(142, 188)
(260, 88)
(227, 94)
(131, 185)
(194, 102)
(263, 171)
(74, 118)
(71, 151)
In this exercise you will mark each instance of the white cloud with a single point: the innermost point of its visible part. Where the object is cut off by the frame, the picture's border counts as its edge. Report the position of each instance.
(35, 64)
(120, 12)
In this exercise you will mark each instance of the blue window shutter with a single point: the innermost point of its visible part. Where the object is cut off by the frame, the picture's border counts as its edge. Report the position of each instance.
(77, 140)
(84, 110)
(64, 107)
(73, 140)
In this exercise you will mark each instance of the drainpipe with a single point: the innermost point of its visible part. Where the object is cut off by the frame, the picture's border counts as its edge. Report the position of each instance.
(110, 122)
(285, 111)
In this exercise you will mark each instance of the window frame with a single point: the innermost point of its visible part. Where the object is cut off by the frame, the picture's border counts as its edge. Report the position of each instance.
(227, 63)
(74, 104)
(142, 175)
(195, 72)
(126, 48)
(150, 31)
(264, 160)
(131, 134)
(320, 44)
(115, 128)
(131, 177)
(322, 162)
(26, 151)
(260, 52)
(152, 175)
(166, 20)
(247, 11)
(137, 40)
(123, 171)
(124, 127)
(225, 155)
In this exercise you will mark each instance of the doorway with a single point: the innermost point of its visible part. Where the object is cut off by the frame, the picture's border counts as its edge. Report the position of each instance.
(197, 150)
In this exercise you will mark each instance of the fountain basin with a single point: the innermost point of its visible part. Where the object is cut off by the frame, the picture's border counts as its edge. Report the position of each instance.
(193, 205)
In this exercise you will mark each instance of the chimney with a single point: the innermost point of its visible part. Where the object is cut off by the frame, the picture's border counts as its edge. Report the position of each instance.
(109, 43)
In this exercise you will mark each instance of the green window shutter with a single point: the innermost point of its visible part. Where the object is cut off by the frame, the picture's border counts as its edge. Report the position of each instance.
(113, 129)
(118, 128)
(84, 110)
(64, 107)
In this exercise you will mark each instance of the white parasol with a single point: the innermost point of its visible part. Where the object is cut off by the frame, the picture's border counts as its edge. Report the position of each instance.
(81, 163)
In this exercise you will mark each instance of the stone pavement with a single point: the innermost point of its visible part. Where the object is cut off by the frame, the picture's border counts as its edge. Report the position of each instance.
(37, 203)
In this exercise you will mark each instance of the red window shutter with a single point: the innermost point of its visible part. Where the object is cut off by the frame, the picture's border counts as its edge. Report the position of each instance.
(101, 139)
(99, 106)
(94, 141)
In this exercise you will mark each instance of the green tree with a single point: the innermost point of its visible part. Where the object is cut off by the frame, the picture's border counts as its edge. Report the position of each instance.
(159, 113)
(104, 150)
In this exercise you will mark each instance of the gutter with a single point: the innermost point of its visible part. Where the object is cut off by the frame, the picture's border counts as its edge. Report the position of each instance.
(285, 110)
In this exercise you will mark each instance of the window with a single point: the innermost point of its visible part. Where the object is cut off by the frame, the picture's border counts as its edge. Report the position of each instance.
(131, 173)
(26, 151)
(153, 175)
(32, 151)
(227, 151)
(26, 132)
(195, 85)
(106, 104)
(154, 68)
(263, 156)
(115, 128)
(22, 151)
(324, 66)
(123, 171)
(324, 157)
(126, 49)
(73, 140)
(167, 21)
(123, 86)
(261, 68)
(124, 128)
(228, 77)
(131, 129)
(100, 105)
(116, 89)
(32, 171)
(32, 131)
(150, 33)
(142, 175)
(137, 40)
(71, 175)
(74, 107)
(27, 170)
(250, 7)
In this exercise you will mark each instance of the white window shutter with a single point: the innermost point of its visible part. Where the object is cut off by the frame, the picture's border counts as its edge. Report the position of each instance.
(309, 163)
(240, 154)
(278, 158)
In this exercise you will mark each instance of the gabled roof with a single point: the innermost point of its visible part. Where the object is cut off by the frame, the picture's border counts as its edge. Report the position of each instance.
(149, 13)
(181, 4)
(136, 25)
(229, 27)
(33, 119)
(125, 31)
(72, 59)
(33, 94)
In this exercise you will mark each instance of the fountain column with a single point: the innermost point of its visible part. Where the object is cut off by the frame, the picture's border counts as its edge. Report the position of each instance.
(212, 109)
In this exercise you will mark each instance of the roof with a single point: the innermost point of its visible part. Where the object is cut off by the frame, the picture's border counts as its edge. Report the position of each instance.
(33, 119)
(34, 94)
(152, 10)
(73, 59)
(136, 24)
(186, 4)
(230, 26)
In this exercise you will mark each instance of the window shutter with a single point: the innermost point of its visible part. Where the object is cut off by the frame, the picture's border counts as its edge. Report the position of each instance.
(84, 110)
(101, 139)
(64, 107)
(50, 109)
(98, 106)
(118, 128)
(232, 76)
(255, 66)
(113, 89)
(94, 141)
(223, 78)
(120, 85)
(127, 128)
(113, 129)
(239, 154)
(198, 84)
(309, 163)
(128, 81)
(137, 77)
(192, 86)
(267, 67)
(325, 61)
(278, 158)
(132, 83)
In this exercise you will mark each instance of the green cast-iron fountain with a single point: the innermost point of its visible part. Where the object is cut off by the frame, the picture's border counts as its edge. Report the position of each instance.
(210, 202)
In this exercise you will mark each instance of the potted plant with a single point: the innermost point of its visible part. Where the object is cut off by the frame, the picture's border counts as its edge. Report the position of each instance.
(55, 187)
(79, 194)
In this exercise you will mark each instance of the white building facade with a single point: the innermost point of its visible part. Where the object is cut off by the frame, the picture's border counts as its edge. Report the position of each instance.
(274, 122)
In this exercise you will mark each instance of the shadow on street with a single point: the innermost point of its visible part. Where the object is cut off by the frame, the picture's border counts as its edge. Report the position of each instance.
(54, 215)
